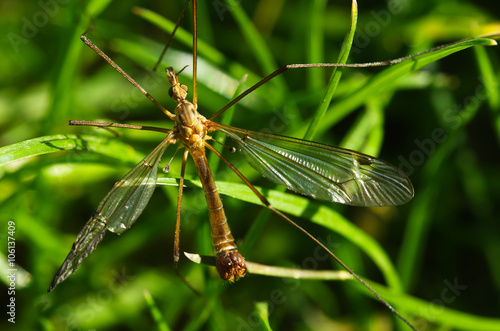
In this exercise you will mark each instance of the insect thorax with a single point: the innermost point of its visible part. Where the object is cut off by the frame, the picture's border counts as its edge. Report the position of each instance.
(189, 125)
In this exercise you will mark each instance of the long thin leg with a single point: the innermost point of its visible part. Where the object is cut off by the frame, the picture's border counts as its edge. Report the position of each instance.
(171, 37)
(124, 74)
(268, 205)
(325, 65)
(179, 204)
(178, 230)
(119, 125)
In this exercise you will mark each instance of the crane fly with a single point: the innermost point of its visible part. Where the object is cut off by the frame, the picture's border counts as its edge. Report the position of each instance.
(313, 169)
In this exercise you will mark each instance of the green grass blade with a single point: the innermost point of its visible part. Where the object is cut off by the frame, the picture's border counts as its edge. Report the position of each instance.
(366, 135)
(336, 75)
(63, 91)
(256, 43)
(436, 311)
(490, 84)
(488, 78)
(58, 143)
(315, 38)
(262, 53)
(161, 324)
(262, 312)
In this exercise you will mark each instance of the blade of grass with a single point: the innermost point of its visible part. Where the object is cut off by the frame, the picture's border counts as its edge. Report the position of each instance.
(488, 77)
(262, 312)
(58, 143)
(262, 53)
(63, 82)
(491, 83)
(335, 77)
(366, 135)
(315, 41)
(257, 44)
(452, 319)
(155, 312)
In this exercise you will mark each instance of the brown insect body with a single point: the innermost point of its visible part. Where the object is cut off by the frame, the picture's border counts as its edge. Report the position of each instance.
(191, 129)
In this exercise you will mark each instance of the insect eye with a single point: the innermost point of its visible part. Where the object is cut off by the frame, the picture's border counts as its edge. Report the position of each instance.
(171, 91)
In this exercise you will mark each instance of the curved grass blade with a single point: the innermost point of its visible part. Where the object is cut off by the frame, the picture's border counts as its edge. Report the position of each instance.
(62, 142)
(119, 209)
(336, 75)
(323, 172)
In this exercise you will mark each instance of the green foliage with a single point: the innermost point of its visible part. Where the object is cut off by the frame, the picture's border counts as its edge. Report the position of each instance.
(440, 124)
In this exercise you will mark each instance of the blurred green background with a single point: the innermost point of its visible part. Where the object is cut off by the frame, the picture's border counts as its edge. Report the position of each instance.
(438, 124)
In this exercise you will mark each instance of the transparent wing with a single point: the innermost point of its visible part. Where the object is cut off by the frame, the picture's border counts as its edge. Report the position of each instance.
(117, 211)
(321, 171)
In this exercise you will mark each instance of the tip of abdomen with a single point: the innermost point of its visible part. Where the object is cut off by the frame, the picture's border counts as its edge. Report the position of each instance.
(231, 265)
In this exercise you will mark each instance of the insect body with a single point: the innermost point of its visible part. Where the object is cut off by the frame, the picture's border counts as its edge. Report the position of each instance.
(191, 129)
